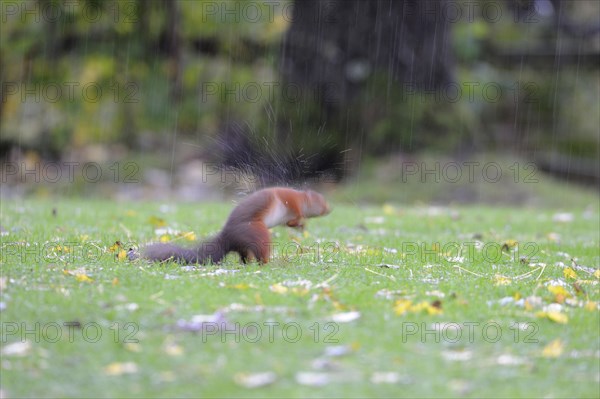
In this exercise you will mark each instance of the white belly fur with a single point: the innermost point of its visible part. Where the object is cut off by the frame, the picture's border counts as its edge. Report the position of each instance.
(278, 214)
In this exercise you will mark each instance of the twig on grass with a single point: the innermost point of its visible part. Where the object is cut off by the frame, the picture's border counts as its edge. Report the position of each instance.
(380, 274)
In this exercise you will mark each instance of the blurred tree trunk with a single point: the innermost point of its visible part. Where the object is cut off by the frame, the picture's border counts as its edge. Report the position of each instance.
(331, 49)
(333, 46)
(173, 36)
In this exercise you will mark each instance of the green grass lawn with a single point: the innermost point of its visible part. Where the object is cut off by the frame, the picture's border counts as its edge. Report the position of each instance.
(371, 301)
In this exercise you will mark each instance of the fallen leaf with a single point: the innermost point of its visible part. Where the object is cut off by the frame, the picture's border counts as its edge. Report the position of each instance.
(240, 286)
(156, 221)
(190, 236)
(457, 356)
(255, 380)
(313, 378)
(116, 368)
(337, 350)
(133, 347)
(389, 210)
(115, 247)
(557, 317)
(122, 255)
(172, 349)
(345, 317)
(83, 278)
(384, 377)
(501, 280)
(402, 306)
(426, 306)
(16, 349)
(559, 292)
(553, 349)
(569, 273)
(509, 360)
(278, 288)
(563, 217)
(164, 238)
(508, 244)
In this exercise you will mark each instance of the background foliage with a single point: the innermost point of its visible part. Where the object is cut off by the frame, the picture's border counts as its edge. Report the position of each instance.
(128, 77)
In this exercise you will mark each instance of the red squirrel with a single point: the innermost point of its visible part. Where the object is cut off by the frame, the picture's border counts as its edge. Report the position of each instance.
(247, 228)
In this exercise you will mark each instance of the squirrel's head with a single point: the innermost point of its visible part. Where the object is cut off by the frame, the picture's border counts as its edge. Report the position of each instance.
(317, 205)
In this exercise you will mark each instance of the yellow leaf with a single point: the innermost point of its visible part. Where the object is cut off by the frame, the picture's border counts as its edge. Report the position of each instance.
(373, 251)
(553, 349)
(83, 278)
(278, 288)
(558, 290)
(591, 306)
(597, 273)
(122, 255)
(305, 234)
(389, 210)
(156, 221)
(501, 280)
(433, 310)
(133, 347)
(190, 236)
(402, 306)
(164, 238)
(508, 244)
(121, 368)
(300, 291)
(173, 349)
(240, 286)
(569, 273)
(115, 281)
(560, 293)
(115, 247)
(418, 307)
(556, 317)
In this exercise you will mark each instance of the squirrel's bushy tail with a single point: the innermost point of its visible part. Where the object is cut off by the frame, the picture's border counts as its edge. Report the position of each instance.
(211, 250)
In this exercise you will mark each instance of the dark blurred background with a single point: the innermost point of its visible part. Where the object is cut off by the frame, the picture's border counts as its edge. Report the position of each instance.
(294, 91)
